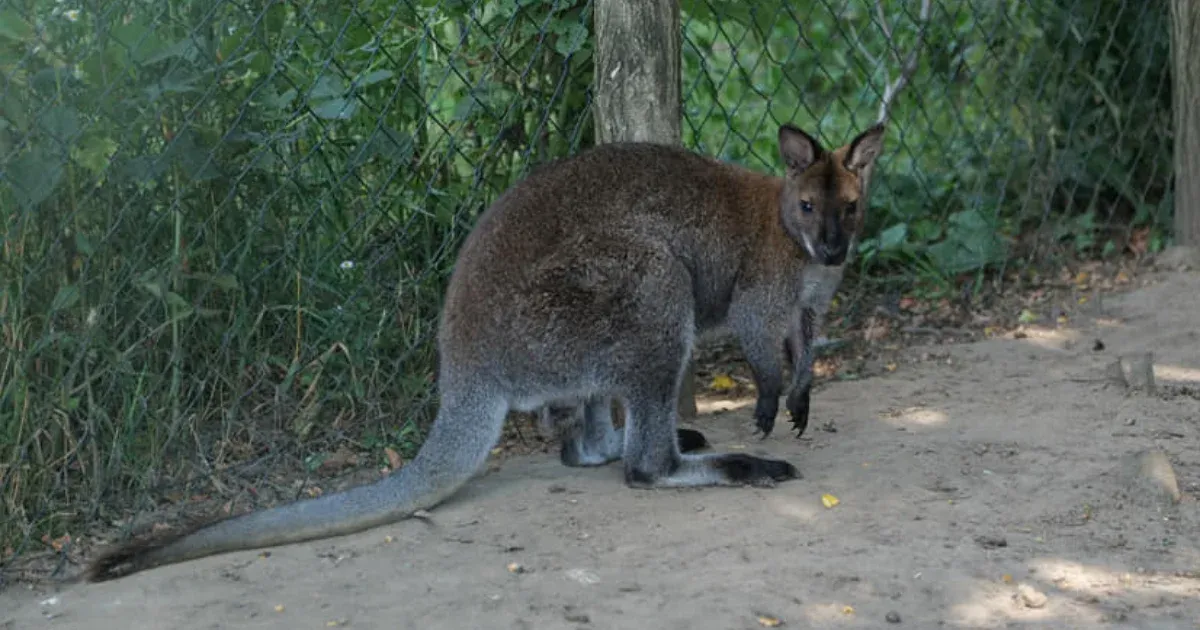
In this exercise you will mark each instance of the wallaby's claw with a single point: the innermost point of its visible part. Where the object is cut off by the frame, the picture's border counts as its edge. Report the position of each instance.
(764, 415)
(798, 408)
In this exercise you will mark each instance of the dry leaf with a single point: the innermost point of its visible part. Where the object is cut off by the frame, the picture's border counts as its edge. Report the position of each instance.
(388, 539)
(847, 610)
(1122, 277)
(1062, 320)
(891, 367)
(1006, 578)
(828, 500)
(769, 622)
(1027, 316)
(722, 382)
(278, 607)
(394, 459)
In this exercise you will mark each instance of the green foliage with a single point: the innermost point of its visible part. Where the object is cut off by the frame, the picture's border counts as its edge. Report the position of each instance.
(229, 223)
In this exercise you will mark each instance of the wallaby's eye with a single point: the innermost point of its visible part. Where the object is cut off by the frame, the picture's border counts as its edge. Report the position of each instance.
(806, 207)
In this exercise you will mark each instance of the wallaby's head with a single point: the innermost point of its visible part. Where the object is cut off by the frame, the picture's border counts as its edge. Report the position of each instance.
(823, 203)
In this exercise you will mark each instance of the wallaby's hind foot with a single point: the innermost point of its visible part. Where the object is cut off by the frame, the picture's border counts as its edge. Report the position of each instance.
(715, 469)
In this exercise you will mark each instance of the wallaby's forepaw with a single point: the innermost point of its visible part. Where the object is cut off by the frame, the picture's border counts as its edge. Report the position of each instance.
(797, 404)
(758, 471)
(765, 411)
(691, 440)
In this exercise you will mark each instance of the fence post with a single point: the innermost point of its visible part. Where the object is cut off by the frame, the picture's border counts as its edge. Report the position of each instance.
(1185, 74)
(638, 92)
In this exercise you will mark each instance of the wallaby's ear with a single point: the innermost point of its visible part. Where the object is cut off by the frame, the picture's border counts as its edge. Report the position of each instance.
(865, 148)
(798, 149)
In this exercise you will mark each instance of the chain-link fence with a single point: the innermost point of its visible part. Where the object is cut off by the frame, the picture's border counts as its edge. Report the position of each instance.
(227, 224)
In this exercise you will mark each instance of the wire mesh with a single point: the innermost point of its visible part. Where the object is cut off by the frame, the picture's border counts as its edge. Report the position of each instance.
(228, 224)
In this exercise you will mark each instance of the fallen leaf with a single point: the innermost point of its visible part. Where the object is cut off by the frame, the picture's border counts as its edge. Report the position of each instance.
(988, 331)
(278, 607)
(1062, 320)
(1083, 300)
(1081, 278)
(388, 539)
(847, 610)
(722, 382)
(769, 622)
(394, 459)
(1027, 316)
(828, 500)
(1122, 277)
(891, 367)
(514, 567)
(1006, 578)
(56, 543)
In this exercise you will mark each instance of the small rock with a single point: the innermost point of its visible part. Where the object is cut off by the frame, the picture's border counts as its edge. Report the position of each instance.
(556, 489)
(1149, 474)
(1031, 597)
(892, 617)
(991, 542)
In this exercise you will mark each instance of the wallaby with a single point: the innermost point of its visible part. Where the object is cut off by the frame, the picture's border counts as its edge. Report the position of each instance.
(586, 283)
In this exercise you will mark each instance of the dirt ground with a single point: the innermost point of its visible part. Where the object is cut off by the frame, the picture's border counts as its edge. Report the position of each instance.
(980, 485)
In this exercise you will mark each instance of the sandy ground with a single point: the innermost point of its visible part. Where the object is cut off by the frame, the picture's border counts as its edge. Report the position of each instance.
(983, 485)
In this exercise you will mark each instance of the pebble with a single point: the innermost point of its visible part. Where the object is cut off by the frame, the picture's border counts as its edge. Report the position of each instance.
(1031, 597)
(892, 617)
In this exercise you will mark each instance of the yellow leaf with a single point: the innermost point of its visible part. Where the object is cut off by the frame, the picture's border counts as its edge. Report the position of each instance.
(1083, 300)
(828, 500)
(1006, 578)
(1081, 277)
(1122, 277)
(769, 621)
(278, 607)
(722, 382)
(388, 539)
(847, 610)
(988, 331)
(1062, 319)
(514, 567)
(891, 367)
(1027, 316)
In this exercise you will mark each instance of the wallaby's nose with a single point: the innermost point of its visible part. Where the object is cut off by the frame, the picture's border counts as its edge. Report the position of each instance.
(835, 255)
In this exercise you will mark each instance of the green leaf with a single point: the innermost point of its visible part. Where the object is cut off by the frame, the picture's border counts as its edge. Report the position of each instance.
(13, 26)
(66, 297)
(572, 40)
(34, 176)
(180, 307)
(371, 78)
(84, 245)
(893, 237)
(60, 123)
(335, 109)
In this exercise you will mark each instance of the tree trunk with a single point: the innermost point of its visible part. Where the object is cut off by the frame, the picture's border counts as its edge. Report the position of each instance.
(638, 89)
(1185, 71)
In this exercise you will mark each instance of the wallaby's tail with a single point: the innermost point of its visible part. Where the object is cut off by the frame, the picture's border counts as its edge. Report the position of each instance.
(457, 446)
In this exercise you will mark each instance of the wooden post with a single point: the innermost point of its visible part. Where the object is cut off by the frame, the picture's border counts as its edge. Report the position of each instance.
(1185, 74)
(638, 91)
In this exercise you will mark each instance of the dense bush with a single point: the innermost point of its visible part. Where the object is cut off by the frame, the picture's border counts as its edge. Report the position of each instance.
(229, 222)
